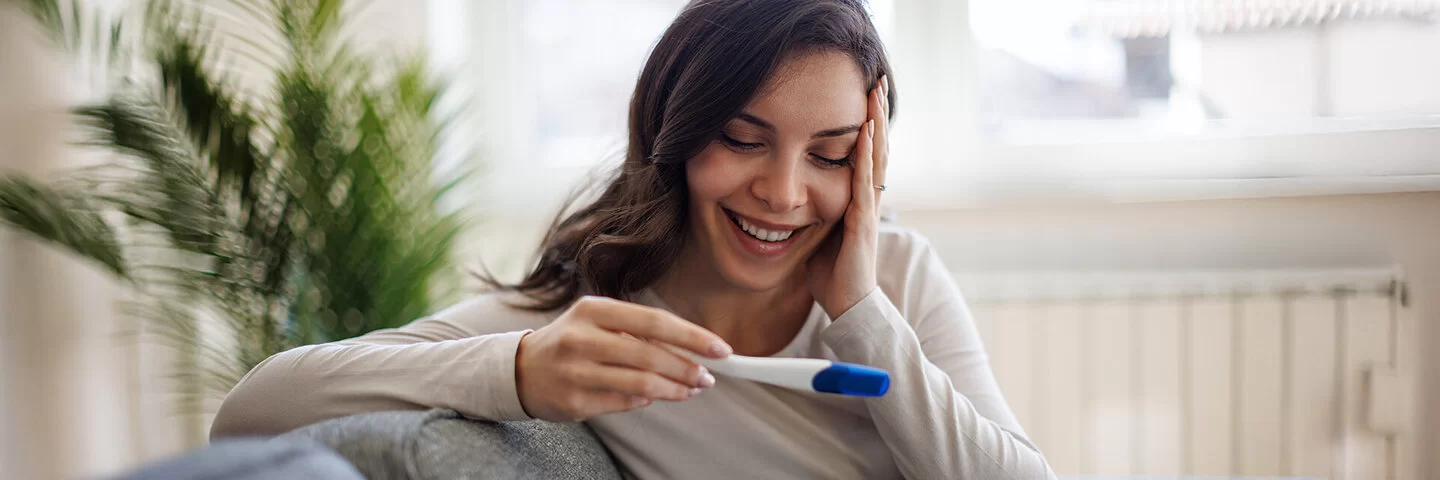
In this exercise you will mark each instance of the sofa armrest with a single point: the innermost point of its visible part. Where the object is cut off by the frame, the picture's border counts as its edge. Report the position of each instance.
(440, 444)
(249, 459)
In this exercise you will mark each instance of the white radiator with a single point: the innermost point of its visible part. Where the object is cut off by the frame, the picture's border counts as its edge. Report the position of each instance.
(1291, 373)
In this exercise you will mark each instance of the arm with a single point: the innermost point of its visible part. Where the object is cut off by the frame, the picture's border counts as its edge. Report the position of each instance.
(944, 416)
(462, 358)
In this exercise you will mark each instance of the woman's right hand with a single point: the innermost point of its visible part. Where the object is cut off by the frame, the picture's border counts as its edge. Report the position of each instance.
(592, 361)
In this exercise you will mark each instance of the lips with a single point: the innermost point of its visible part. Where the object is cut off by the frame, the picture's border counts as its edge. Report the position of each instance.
(759, 241)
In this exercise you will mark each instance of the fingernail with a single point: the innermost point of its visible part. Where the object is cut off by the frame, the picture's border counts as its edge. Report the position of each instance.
(694, 392)
(720, 349)
(885, 80)
(870, 128)
(707, 380)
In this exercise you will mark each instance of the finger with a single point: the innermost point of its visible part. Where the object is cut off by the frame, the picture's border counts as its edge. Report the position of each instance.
(884, 84)
(882, 135)
(634, 353)
(657, 324)
(631, 382)
(863, 186)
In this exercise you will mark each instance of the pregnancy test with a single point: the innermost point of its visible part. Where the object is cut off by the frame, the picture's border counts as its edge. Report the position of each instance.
(810, 374)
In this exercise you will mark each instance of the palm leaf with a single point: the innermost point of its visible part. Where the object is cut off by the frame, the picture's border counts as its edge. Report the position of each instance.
(172, 193)
(63, 217)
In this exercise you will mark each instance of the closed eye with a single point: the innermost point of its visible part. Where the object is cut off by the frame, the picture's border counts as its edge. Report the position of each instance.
(832, 162)
(738, 145)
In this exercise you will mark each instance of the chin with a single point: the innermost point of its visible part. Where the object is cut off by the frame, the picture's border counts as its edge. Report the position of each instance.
(752, 279)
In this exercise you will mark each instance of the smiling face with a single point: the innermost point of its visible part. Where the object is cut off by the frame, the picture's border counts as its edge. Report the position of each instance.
(765, 194)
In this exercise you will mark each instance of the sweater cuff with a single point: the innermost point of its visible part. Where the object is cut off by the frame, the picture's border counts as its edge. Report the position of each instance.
(494, 380)
(864, 332)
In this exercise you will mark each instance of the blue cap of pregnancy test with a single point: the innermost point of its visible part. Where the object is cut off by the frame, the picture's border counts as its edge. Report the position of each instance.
(852, 379)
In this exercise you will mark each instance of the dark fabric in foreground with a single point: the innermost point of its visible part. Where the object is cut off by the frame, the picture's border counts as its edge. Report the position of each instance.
(440, 444)
(250, 459)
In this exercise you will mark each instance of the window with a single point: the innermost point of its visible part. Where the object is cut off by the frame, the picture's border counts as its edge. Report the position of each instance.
(1075, 71)
(548, 84)
(1166, 99)
(581, 59)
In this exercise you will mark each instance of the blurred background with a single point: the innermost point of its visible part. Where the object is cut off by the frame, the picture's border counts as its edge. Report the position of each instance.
(1200, 237)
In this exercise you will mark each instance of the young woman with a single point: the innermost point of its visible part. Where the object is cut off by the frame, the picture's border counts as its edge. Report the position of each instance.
(742, 220)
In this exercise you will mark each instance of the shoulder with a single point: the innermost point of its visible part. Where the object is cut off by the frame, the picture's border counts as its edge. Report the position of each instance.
(901, 251)
(909, 271)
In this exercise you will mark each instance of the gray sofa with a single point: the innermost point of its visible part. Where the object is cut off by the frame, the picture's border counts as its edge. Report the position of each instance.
(421, 445)
(440, 444)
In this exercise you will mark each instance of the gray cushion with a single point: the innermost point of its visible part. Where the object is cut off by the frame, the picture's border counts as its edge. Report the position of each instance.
(440, 444)
(250, 459)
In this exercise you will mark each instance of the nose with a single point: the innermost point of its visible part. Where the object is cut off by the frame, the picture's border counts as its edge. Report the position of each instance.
(780, 184)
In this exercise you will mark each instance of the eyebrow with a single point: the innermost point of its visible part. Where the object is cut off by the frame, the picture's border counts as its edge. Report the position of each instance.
(833, 132)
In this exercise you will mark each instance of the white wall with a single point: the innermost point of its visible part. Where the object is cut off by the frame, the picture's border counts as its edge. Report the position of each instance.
(1305, 232)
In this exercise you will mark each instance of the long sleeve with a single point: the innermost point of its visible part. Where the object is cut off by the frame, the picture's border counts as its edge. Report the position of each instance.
(944, 416)
(461, 358)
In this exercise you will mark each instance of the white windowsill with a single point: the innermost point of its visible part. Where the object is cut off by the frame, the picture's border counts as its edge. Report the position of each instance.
(1052, 132)
(984, 193)
(1331, 158)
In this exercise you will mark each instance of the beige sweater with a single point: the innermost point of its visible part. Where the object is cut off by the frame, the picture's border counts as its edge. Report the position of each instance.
(944, 416)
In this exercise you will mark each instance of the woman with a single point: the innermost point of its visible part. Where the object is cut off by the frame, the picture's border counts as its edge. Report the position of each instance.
(743, 220)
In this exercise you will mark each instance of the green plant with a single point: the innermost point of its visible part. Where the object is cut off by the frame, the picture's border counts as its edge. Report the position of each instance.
(305, 213)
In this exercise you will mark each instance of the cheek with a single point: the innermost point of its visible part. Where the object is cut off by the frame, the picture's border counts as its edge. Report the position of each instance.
(712, 176)
(832, 195)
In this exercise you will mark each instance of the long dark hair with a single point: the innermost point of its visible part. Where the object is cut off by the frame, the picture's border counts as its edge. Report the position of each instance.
(705, 68)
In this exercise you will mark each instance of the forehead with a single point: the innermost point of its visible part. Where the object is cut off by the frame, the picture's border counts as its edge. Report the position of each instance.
(813, 92)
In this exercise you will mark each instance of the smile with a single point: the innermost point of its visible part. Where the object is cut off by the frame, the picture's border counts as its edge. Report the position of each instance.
(760, 233)
(767, 240)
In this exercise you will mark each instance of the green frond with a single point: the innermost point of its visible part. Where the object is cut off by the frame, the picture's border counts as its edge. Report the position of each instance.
(220, 128)
(306, 213)
(175, 194)
(324, 18)
(63, 217)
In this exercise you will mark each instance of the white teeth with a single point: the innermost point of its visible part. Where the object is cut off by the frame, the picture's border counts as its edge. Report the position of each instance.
(763, 234)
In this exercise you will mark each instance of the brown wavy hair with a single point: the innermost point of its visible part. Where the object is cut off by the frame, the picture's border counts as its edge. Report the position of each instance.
(706, 67)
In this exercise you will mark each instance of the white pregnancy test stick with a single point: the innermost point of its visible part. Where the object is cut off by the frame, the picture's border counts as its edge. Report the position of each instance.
(811, 374)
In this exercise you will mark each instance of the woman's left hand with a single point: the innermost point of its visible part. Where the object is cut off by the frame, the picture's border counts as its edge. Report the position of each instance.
(842, 271)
